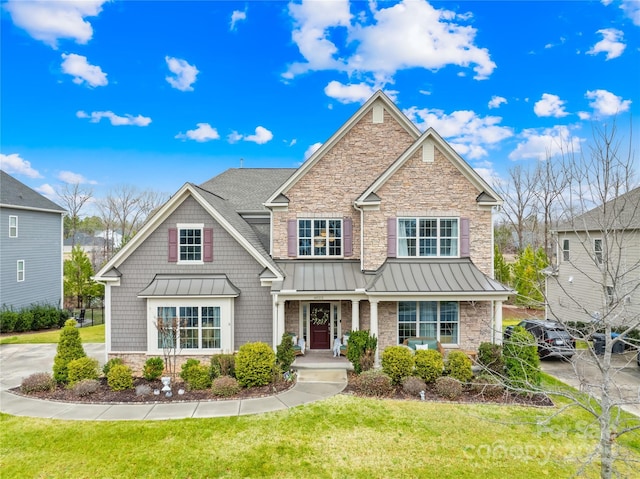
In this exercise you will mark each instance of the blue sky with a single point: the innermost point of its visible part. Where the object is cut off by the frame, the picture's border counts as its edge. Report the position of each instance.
(158, 93)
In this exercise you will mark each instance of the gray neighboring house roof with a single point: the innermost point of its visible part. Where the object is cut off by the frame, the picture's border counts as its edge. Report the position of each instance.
(15, 194)
(189, 285)
(622, 212)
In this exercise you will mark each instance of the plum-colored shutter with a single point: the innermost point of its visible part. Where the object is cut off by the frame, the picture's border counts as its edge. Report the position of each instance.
(392, 237)
(347, 229)
(173, 245)
(292, 238)
(464, 238)
(208, 245)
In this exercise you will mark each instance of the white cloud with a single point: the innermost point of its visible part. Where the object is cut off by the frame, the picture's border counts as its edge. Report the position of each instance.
(74, 178)
(631, 9)
(237, 16)
(606, 103)
(13, 163)
(47, 190)
(261, 136)
(610, 43)
(78, 67)
(115, 120)
(584, 115)
(542, 144)
(311, 150)
(496, 101)
(467, 132)
(352, 93)
(185, 74)
(234, 137)
(203, 133)
(550, 105)
(50, 21)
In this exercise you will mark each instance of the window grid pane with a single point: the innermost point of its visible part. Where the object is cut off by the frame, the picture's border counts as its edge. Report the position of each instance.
(190, 244)
(406, 320)
(189, 334)
(448, 237)
(407, 237)
(164, 322)
(319, 237)
(211, 327)
(428, 319)
(448, 322)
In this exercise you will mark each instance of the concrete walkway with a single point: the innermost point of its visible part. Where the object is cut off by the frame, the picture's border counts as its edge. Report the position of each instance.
(18, 361)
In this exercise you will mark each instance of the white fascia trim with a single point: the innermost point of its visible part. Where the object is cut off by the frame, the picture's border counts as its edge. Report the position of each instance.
(30, 208)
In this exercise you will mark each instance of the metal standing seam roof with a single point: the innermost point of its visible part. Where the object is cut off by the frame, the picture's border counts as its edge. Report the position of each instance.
(319, 275)
(164, 285)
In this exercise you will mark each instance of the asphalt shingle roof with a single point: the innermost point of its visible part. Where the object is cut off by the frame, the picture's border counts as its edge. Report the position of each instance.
(15, 193)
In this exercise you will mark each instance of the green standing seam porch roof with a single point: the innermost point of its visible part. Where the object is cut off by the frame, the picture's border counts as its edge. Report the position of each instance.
(180, 285)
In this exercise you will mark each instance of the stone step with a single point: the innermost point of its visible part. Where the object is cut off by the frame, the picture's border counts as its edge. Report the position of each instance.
(322, 375)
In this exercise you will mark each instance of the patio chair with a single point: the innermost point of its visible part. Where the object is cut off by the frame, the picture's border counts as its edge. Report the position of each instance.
(80, 318)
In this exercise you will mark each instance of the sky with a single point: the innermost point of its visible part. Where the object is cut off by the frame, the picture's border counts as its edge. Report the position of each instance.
(154, 94)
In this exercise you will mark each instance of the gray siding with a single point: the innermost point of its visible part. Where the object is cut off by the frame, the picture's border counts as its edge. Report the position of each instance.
(39, 245)
(253, 308)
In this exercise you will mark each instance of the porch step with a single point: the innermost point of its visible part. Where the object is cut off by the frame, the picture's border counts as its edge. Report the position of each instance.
(314, 375)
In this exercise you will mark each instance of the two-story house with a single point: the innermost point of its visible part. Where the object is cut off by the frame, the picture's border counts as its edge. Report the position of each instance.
(30, 246)
(383, 228)
(598, 263)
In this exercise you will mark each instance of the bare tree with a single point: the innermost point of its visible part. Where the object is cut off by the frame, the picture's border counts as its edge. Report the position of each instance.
(74, 198)
(519, 205)
(551, 183)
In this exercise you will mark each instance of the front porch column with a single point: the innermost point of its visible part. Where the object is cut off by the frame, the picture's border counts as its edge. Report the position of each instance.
(355, 314)
(278, 324)
(374, 327)
(497, 324)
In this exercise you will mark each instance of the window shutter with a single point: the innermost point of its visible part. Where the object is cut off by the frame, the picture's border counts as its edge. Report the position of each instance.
(464, 238)
(208, 245)
(347, 231)
(173, 245)
(292, 237)
(391, 237)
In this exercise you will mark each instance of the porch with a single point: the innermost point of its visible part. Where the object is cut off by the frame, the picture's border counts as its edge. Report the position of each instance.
(321, 360)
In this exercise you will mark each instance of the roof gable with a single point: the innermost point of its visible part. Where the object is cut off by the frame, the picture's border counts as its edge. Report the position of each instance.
(14, 193)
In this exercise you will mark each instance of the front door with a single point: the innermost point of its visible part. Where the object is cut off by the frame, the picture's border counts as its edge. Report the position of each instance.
(320, 325)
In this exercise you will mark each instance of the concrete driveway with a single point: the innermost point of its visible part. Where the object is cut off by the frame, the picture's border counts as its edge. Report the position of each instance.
(583, 374)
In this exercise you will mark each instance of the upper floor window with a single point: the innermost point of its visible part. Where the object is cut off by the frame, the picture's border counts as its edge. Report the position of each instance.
(320, 237)
(428, 237)
(190, 244)
(565, 250)
(20, 270)
(597, 249)
(13, 226)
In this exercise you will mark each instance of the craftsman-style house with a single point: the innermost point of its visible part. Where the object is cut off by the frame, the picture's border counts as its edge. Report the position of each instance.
(383, 228)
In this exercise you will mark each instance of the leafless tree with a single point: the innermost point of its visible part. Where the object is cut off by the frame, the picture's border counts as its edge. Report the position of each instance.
(519, 195)
(74, 198)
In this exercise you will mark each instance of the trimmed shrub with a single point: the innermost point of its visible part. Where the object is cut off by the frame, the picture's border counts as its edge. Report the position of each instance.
(413, 385)
(8, 320)
(255, 363)
(153, 368)
(429, 364)
(143, 390)
(225, 386)
(69, 348)
(223, 365)
(81, 368)
(195, 375)
(24, 322)
(361, 342)
(397, 363)
(487, 385)
(285, 355)
(37, 382)
(490, 357)
(111, 363)
(34, 317)
(120, 378)
(458, 366)
(373, 383)
(448, 387)
(86, 387)
(522, 363)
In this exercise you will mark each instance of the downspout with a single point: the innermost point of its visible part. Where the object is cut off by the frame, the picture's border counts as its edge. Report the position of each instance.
(361, 235)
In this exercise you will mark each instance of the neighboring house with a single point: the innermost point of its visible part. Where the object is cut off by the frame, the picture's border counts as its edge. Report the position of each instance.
(383, 228)
(598, 264)
(30, 246)
(97, 247)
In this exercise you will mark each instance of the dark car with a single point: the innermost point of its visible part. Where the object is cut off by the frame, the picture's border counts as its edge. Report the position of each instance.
(552, 337)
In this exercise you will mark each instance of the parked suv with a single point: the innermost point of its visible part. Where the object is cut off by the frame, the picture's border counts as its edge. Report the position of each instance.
(552, 337)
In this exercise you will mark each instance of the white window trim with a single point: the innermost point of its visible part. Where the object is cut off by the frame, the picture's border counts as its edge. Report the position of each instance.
(566, 253)
(313, 255)
(13, 227)
(20, 270)
(438, 322)
(226, 306)
(598, 257)
(417, 237)
(191, 226)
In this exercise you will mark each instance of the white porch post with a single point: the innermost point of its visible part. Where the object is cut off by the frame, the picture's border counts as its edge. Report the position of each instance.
(279, 321)
(355, 314)
(374, 327)
(497, 325)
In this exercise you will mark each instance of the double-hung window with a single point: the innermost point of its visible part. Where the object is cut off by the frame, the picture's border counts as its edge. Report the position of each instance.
(20, 270)
(565, 250)
(431, 237)
(13, 226)
(430, 319)
(190, 327)
(597, 249)
(320, 237)
(190, 243)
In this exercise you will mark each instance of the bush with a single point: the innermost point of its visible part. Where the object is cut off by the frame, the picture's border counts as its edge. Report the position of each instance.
(153, 368)
(413, 385)
(225, 386)
(38, 382)
(24, 322)
(361, 350)
(120, 378)
(86, 387)
(373, 383)
(81, 368)
(34, 317)
(195, 375)
(223, 365)
(487, 385)
(522, 364)
(285, 354)
(397, 363)
(111, 363)
(458, 366)
(8, 320)
(490, 357)
(69, 348)
(448, 387)
(255, 363)
(429, 364)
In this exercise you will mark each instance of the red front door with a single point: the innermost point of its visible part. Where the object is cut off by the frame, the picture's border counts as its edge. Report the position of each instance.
(320, 326)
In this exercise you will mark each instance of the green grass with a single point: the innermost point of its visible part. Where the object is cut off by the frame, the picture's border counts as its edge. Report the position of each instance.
(88, 334)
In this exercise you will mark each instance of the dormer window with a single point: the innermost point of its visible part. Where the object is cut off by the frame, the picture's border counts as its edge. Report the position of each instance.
(320, 237)
(430, 237)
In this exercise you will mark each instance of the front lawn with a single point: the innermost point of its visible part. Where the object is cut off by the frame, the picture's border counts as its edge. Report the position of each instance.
(88, 334)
